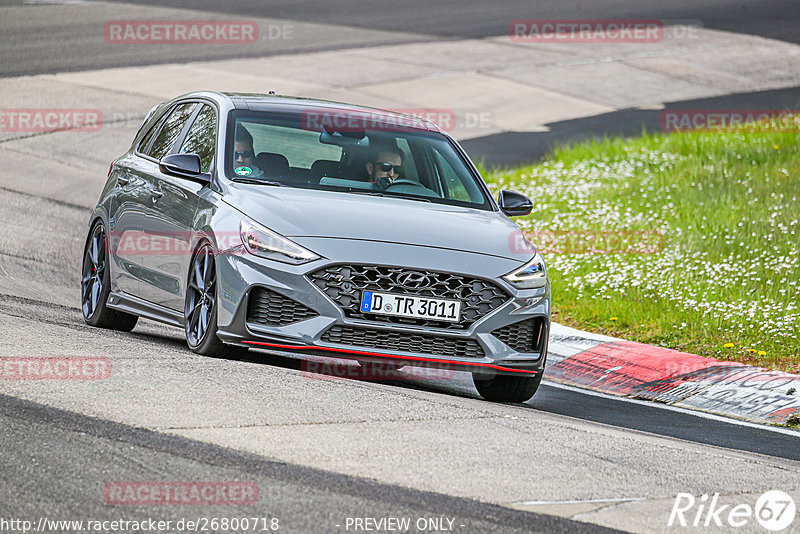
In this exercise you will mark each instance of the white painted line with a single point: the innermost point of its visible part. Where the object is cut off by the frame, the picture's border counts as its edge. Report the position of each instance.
(697, 413)
(534, 503)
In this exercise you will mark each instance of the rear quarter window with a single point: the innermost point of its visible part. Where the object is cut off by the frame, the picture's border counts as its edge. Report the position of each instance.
(145, 142)
(170, 130)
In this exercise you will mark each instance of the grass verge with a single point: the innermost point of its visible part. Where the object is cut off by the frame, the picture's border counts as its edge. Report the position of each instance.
(687, 240)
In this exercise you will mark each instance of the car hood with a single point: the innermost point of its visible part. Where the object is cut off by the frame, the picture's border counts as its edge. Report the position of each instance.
(295, 212)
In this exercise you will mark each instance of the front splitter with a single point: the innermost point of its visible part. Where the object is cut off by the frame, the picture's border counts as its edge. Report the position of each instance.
(419, 361)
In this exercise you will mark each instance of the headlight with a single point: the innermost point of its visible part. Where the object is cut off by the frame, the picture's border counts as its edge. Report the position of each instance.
(532, 274)
(265, 243)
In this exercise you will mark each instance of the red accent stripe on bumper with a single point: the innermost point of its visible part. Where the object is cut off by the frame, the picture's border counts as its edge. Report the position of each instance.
(381, 355)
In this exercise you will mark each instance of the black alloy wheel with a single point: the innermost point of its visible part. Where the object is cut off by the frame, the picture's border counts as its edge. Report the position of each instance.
(200, 311)
(95, 285)
(200, 296)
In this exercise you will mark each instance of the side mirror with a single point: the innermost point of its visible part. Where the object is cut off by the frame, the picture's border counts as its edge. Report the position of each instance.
(182, 166)
(514, 204)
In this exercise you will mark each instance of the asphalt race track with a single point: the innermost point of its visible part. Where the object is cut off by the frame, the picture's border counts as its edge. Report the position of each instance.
(322, 449)
(26, 40)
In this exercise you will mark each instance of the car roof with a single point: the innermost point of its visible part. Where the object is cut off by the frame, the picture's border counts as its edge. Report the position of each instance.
(294, 104)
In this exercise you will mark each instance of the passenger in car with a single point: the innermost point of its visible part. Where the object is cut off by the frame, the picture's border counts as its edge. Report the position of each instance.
(385, 166)
(243, 154)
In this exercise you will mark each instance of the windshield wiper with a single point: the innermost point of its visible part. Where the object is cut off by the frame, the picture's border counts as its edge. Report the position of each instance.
(256, 181)
(409, 197)
(390, 194)
(387, 194)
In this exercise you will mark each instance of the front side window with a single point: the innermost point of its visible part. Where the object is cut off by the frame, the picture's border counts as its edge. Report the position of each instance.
(452, 181)
(202, 136)
(171, 129)
(356, 154)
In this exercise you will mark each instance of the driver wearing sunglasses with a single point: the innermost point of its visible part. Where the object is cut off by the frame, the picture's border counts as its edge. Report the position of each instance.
(385, 167)
(243, 153)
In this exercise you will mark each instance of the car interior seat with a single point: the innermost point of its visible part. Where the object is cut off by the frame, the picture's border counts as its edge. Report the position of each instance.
(274, 165)
(325, 167)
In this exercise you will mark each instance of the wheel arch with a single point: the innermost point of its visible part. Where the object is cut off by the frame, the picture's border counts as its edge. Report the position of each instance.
(100, 215)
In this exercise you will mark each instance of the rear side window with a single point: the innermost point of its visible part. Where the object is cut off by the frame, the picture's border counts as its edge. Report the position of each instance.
(172, 128)
(201, 139)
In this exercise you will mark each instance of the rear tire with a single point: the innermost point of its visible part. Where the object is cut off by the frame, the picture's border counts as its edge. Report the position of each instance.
(96, 286)
(200, 311)
(507, 388)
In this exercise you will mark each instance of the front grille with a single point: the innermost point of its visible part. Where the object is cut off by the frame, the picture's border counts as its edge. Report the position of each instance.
(273, 309)
(405, 342)
(345, 284)
(524, 336)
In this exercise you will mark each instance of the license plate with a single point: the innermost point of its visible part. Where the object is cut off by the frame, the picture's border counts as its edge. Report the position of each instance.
(410, 306)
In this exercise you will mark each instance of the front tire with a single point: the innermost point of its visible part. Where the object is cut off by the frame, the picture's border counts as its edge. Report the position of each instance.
(96, 285)
(507, 388)
(200, 310)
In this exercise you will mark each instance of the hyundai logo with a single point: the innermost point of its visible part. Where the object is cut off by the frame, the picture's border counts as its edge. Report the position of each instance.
(414, 280)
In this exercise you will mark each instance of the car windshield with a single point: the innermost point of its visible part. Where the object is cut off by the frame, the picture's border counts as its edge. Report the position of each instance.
(361, 153)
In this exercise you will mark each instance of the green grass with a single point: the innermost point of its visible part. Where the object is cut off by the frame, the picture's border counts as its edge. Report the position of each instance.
(726, 207)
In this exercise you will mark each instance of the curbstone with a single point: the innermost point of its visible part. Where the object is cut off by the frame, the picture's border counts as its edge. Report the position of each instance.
(640, 371)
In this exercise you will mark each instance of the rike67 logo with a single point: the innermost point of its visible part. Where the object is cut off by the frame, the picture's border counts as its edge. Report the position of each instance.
(774, 510)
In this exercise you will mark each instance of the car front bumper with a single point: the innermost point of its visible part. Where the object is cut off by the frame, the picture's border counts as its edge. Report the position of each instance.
(305, 319)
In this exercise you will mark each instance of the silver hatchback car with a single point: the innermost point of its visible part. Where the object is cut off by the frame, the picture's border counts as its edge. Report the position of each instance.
(318, 228)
